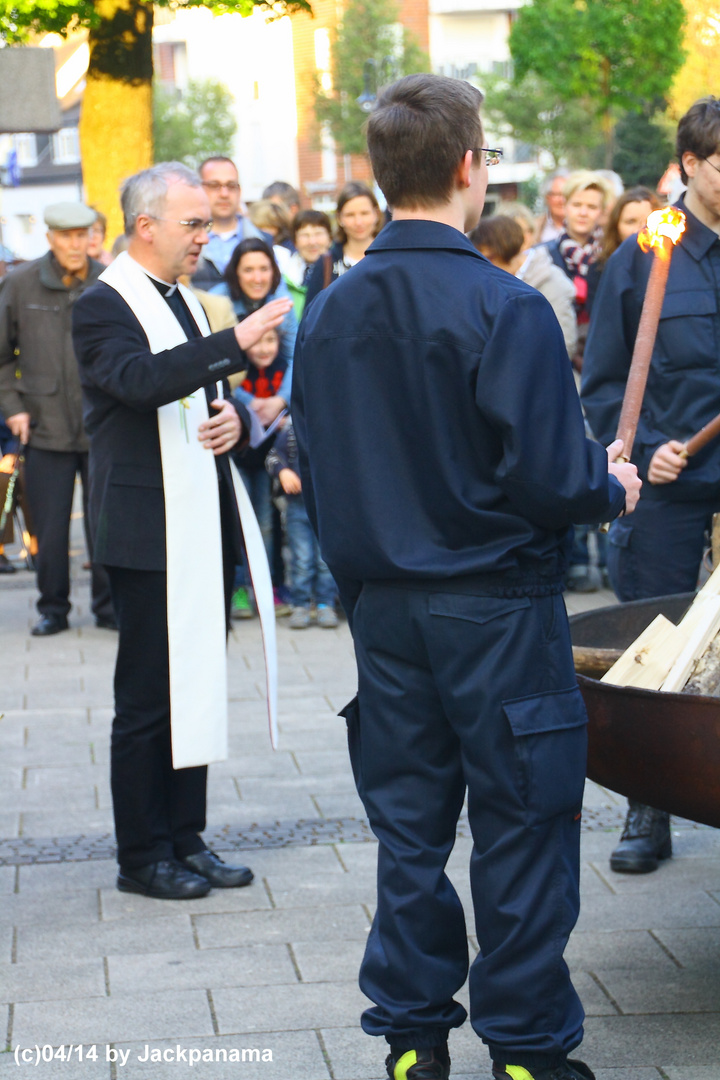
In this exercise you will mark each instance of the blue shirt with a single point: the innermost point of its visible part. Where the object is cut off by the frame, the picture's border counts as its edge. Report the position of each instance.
(437, 419)
(683, 387)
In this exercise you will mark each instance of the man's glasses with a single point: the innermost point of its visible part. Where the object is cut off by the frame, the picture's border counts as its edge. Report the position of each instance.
(492, 157)
(715, 167)
(218, 185)
(194, 225)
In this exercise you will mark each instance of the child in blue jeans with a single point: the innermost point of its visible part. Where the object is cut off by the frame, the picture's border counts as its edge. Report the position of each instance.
(311, 579)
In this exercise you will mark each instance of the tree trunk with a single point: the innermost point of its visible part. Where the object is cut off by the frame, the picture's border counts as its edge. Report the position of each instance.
(116, 119)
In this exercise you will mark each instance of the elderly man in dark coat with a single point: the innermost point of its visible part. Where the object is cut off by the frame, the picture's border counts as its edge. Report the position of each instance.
(41, 399)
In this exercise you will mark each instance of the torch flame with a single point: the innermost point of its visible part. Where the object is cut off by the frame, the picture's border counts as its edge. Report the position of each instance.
(662, 225)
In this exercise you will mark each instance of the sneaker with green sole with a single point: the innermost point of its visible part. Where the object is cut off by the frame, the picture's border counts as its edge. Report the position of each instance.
(569, 1070)
(431, 1063)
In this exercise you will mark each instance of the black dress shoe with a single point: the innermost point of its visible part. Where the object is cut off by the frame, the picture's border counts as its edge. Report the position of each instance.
(216, 872)
(166, 880)
(106, 622)
(6, 567)
(645, 841)
(49, 624)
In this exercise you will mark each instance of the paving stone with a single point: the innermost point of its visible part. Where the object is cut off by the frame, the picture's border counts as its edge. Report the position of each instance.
(693, 948)
(172, 1015)
(49, 754)
(322, 961)
(70, 777)
(86, 820)
(42, 940)
(644, 1041)
(47, 980)
(29, 910)
(345, 804)
(7, 879)
(296, 864)
(682, 991)
(288, 1008)
(339, 923)
(709, 1072)
(117, 906)
(70, 1069)
(321, 892)
(66, 877)
(254, 965)
(618, 949)
(655, 911)
(296, 1055)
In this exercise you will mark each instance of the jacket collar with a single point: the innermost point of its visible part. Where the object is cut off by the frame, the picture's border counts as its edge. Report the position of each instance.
(697, 238)
(414, 235)
(51, 273)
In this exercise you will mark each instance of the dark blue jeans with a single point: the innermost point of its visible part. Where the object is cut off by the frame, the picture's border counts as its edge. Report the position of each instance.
(460, 690)
(311, 579)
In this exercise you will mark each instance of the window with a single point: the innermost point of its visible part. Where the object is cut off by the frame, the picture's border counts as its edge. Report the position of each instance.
(66, 146)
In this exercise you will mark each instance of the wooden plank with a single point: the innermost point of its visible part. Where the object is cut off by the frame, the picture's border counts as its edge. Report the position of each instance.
(648, 660)
(705, 627)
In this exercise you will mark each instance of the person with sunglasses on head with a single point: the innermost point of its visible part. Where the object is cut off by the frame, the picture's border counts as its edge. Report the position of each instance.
(443, 459)
(221, 183)
(659, 550)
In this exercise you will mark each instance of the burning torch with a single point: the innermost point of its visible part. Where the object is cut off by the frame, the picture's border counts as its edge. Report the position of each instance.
(662, 231)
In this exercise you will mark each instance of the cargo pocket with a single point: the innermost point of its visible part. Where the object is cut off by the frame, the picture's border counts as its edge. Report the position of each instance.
(550, 732)
(476, 609)
(351, 715)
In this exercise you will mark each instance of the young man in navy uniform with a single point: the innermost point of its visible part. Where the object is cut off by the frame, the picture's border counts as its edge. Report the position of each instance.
(660, 551)
(444, 460)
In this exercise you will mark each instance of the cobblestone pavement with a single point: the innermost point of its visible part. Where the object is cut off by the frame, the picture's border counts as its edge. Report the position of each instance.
(271, 970)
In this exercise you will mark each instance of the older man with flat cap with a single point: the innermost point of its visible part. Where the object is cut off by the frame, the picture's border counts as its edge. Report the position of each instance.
(40, 397)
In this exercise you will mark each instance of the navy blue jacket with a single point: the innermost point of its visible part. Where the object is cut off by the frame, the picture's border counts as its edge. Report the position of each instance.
(437, 419)
(683, 388)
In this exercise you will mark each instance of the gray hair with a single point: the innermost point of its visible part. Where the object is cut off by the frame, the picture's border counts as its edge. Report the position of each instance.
(548, 181)
(146, 191)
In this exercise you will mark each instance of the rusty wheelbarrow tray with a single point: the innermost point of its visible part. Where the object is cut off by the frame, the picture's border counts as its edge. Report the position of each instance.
(660, 749)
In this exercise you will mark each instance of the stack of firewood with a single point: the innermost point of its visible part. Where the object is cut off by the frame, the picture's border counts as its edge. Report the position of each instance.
(678, 658)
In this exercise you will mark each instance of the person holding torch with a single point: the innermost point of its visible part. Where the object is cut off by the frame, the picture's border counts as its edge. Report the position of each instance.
(659, 549)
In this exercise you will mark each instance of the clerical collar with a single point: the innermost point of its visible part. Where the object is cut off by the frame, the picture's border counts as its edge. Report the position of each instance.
(163, 287)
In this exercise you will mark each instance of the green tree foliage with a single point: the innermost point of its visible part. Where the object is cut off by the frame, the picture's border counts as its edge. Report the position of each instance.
(20, 19)
(530, 111)
(369, 30)
(615, 54)
(643, 149)
(191, 126)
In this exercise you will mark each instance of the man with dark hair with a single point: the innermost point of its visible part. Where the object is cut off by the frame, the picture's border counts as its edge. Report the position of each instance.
(443, 460)
(659, 550)
(219, 177)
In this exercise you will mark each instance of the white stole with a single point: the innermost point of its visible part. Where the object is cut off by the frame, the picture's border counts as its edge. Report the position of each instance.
(195, 588)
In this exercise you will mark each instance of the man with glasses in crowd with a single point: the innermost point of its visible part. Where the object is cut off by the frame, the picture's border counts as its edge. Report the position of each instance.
(154, 408)
(444, 458)
(221, 182)
(659, 549)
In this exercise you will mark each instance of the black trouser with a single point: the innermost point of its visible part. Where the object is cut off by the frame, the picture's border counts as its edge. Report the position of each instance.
(159, 811)
(50, 487)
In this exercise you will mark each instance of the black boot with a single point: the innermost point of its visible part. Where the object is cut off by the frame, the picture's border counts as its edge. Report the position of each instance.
(644, 842)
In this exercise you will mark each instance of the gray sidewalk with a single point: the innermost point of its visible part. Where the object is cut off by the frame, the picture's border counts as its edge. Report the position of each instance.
(271, 970)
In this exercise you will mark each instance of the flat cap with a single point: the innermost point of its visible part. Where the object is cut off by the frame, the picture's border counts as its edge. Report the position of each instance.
(69, 215)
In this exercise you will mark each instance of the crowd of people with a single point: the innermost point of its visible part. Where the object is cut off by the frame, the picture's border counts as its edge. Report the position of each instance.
(401, 405)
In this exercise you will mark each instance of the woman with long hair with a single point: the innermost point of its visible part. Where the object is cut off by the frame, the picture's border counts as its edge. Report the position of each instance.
(358, 219)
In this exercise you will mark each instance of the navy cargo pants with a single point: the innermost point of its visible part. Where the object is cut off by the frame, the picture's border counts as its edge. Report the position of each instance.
(460, 690)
